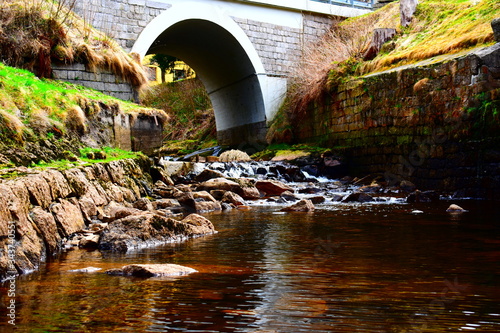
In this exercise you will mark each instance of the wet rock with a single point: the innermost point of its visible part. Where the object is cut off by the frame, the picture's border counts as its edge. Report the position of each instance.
(208, 174)
(233, 198)
(272, 187)
(89, 241)
(455, 209)
(160, 174)
(249, 192)
(303, 205)
(217, 194)
(310, 190)
(289, 196)
(425, 196)
(407, 186)
(358, 197)
(219, 184)
(150, 270)
(201, 224)
(317, 199)
(226, 206)
(88, 209)
(204, 195)
(337, 197)
(147, 229)
(373, 188)
(206, 206)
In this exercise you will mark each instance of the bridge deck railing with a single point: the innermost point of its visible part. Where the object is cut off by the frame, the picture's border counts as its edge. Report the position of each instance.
(350, 3)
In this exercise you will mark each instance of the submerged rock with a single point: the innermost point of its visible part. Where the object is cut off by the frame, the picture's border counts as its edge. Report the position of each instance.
(358, 197)
(150, 270)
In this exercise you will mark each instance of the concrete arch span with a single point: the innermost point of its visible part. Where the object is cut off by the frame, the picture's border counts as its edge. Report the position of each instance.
(218, 50)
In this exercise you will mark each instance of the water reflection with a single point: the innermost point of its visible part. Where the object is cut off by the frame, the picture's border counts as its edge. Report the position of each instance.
(350, 268)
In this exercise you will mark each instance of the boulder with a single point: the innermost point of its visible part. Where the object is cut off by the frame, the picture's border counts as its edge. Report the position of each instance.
(208, 174)
(203, 195)
(272, 187)
(165, 203)
(233, 198)
(303, 205)
(379, 38)
(219, 184)
(358, 197)
(150, 270)
(147, 229)
(249, 192)
(206, 206)
(289, 196)
(422, 196)
(317, 199)
(407, 186)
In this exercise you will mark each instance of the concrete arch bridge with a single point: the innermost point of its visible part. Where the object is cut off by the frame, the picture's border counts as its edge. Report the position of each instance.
(241, 50)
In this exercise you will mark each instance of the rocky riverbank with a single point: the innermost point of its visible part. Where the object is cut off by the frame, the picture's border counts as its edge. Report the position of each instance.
(129, 204)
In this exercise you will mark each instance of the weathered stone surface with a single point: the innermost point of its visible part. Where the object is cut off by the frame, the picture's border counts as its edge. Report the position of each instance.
(203, 195)
(206, 206)
(58, 185)
(407, 9)
(358, 197)
(422, 196)
(39, 190)
(208, 174)
(249, 192)
(147, 229)
(495, 25)
(233, 198)
(317, 199)
(219, 184)
(143, 204)
(380, 36)
(150, 270)
(47, 226)
(272, 187)
(165, 203)
(303, 205)
(68, 216)
(289, 196)
(200, 224)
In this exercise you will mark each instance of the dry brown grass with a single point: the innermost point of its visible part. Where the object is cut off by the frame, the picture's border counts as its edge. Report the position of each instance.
(439, 27)
(35, 33)
(11, 125)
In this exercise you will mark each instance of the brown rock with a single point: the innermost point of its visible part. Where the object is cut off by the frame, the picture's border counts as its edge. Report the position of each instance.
(233, 198)
(208, 174)
(303, 205)
(317, 199)
(272, 187)
(47, 226)
(68, 216)
(204, 195)
(165, 203)
(151, 270)
(219, 184)
(206, 206)
(455, 209)
(143, 204)
(359, 197)
(202, 224)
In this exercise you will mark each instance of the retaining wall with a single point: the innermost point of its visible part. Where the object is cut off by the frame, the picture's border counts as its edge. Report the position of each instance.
(436, 123)
(103, 81)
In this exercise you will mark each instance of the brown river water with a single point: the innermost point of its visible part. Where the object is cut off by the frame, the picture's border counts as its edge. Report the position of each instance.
(343, 268)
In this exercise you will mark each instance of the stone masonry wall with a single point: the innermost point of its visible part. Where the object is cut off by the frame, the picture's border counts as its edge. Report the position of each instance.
(436, 124)
(123, 20)
(105, 82)
(278, 46)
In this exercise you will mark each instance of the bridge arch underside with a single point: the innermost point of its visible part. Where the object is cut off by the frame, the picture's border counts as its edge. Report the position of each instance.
(227, 73)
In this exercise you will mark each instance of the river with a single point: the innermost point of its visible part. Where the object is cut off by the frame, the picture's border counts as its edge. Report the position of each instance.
(372, 267)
